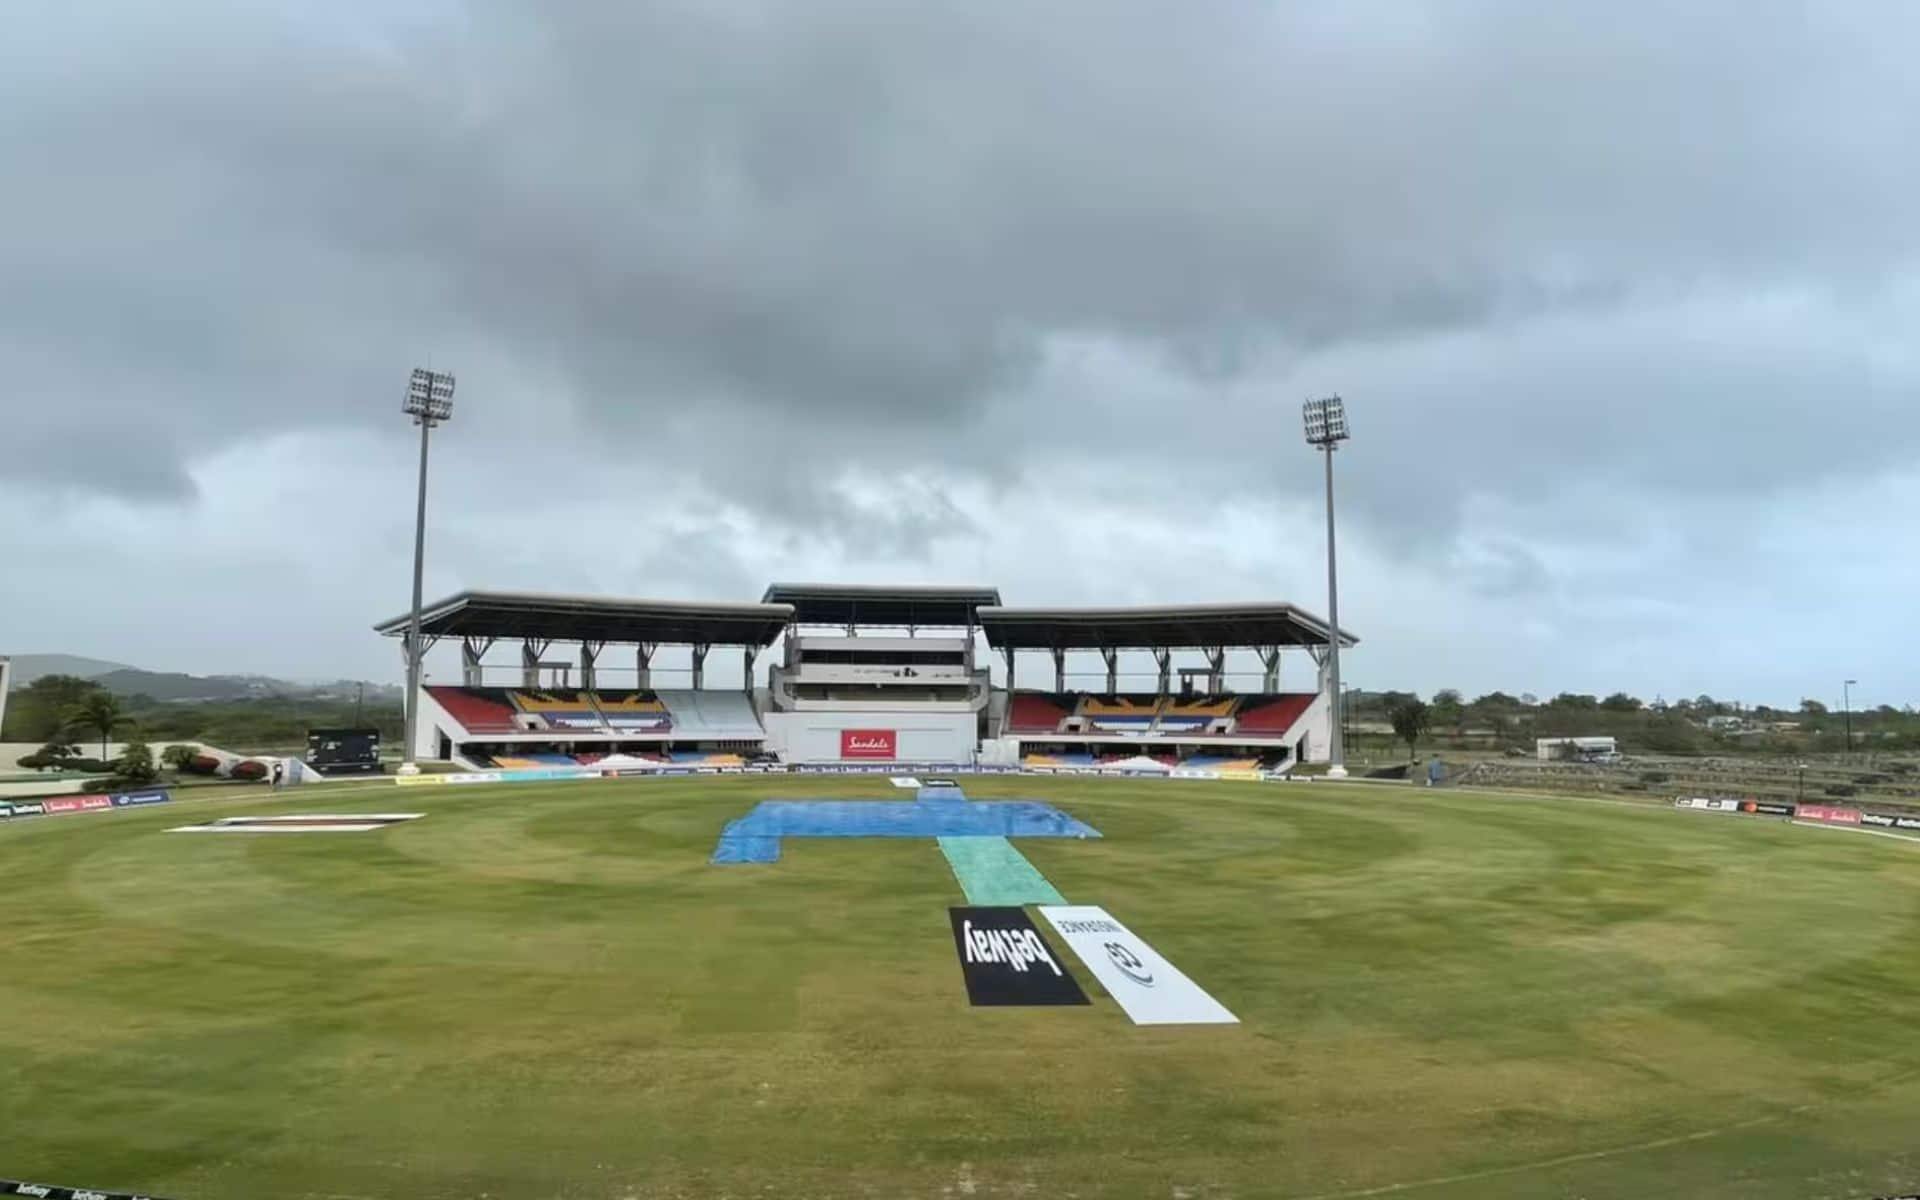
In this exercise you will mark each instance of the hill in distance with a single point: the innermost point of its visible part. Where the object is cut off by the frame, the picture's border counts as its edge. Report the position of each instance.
(29, 667)
(123, 680)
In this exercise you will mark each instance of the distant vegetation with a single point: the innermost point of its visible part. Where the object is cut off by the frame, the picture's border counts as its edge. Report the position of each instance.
(1702, 725)
(66, 708)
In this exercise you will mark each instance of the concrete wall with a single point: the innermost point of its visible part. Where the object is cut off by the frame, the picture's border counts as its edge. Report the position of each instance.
(918, 736)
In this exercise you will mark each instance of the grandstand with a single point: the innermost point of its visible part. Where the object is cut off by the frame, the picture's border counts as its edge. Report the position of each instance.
(569, 712)
(1214, 731)
(866, 673)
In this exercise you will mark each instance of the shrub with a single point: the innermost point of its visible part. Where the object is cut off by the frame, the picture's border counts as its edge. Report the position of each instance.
(135, 764)
(180, 756)
(38, 762)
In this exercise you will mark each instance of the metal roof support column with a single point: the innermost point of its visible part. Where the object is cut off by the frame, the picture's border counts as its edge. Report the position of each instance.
(700, 664)
(1270, 660)
(748, 653)
(1163, 657)
(1112, 658)
(530, 651)
(1059, 670)
(1008, 651)
(472, 650)
(589, 654)
(643, 665)
(1216, 669)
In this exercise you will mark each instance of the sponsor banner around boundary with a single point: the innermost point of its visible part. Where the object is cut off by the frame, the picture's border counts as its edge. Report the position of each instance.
(135, 799)
(1006, 961)
(888, 768)
(1767, 808)
(1831, 816)
(528, 775)
(50, 1191)
(1890, 821)
(1708, 803)
(1151, 990)
(56, 805)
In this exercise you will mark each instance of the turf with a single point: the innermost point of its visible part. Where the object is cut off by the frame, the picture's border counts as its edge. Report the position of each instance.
(547, 991)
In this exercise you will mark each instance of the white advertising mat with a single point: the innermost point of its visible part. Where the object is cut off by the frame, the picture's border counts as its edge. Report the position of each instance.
(1150, 989)
(302, 823)
(904, 781)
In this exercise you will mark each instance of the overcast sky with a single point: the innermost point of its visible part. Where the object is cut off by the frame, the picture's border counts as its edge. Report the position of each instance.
(1625, 304)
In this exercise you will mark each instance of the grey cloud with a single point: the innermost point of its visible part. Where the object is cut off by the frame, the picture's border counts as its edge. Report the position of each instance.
(853, 214)
(810, 281)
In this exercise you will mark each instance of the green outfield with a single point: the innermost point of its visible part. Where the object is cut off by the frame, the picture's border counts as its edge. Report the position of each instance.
(546, 991)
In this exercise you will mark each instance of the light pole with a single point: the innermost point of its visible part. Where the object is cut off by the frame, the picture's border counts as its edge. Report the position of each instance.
(1800, 783)
(1846, 709)
(429, 401)
(1326, 421)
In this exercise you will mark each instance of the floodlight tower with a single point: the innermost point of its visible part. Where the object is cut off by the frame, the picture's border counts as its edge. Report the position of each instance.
(429, 402)
(1846, 708)
(1326, 421)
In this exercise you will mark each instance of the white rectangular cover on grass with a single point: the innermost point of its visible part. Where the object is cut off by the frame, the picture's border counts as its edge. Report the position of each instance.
(302, 823)
(903, 781)
(1147, 986)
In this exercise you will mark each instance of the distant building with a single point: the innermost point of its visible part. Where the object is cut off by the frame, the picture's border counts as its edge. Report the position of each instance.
(1576, 749)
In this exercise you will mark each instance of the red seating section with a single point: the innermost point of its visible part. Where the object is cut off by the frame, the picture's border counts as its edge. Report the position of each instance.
(1276, 716)
(1031, 713)
(475, 711)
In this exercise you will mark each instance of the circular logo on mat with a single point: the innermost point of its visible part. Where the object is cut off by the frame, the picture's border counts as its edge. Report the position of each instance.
(1129, 963)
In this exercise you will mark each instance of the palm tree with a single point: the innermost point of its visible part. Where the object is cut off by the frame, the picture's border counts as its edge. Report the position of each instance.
(100, 713)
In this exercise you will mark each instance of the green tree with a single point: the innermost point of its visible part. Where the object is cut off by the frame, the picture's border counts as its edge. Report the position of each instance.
(1449, 709)
(178, 756)
(135, 764)
(1813, 708)
(98, 712)
(1411, 718)
(1621, 702)
(38, 711)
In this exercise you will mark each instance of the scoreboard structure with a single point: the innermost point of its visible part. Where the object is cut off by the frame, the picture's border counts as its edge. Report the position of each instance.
(344, 751)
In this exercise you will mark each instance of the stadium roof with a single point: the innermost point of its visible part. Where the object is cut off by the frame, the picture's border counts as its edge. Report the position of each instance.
(1179, 627)
(595, 618)
(880, 604)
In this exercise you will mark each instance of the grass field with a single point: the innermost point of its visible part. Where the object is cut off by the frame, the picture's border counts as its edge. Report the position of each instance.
(547, 992)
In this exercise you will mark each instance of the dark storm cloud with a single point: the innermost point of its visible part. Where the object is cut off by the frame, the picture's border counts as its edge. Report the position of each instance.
(856, 229)
(1028, 293)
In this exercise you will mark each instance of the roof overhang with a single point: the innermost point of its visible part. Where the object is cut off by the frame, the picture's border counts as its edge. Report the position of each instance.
(1176, 627)
(881, 604)
(544, 616)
